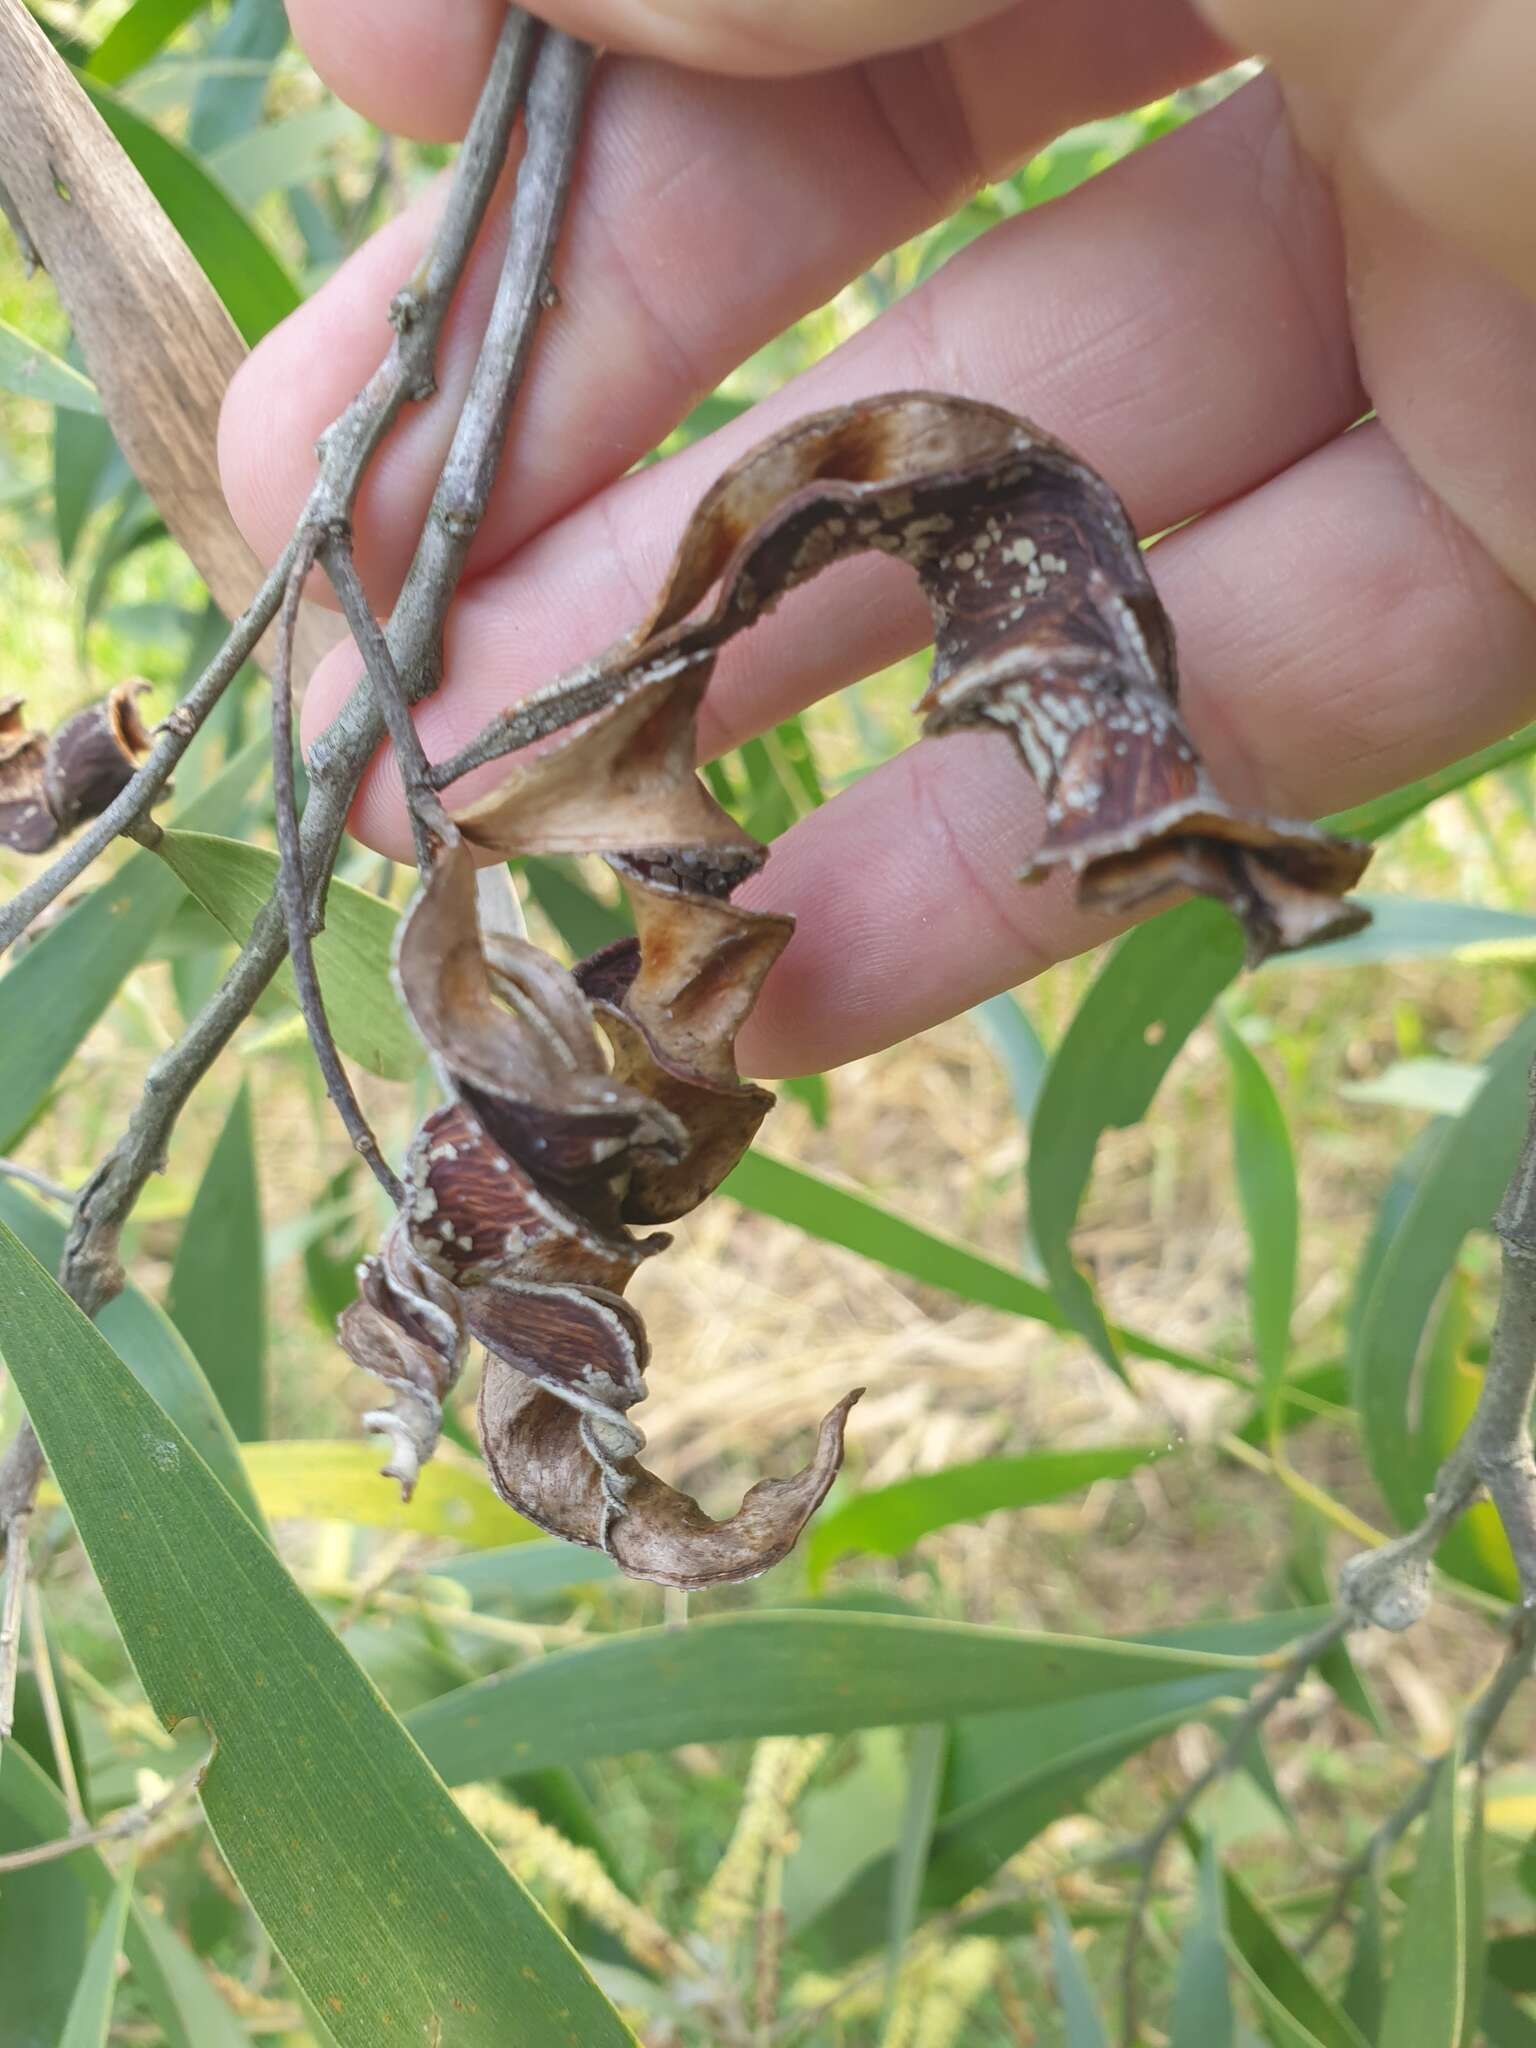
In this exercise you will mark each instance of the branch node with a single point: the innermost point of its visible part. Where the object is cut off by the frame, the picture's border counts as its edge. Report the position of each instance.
(1388, 1588)
(405, 309)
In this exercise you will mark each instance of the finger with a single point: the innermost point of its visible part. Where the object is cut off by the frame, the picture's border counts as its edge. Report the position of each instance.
(1432, 95)
(1067, 315)
(770, 38)
(1410, 650)
(707, 215)
(414, 68)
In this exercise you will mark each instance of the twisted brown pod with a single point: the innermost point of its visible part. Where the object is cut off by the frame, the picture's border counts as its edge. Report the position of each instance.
(49, 784)
(523, 1193)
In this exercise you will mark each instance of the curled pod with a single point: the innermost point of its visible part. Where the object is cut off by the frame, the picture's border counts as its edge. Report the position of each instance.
(50, 783)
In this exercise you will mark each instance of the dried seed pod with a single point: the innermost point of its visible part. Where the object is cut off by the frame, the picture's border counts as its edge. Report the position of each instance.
(48, 786)
(513, 1229)
(514, 1040)
(26, 823)
(408, 1330)
(1046, 627)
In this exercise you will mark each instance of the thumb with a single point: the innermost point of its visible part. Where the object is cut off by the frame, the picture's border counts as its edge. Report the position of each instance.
(765, 38)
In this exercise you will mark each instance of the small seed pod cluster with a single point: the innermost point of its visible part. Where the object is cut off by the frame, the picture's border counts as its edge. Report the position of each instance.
(50, 783)
(526, 1191)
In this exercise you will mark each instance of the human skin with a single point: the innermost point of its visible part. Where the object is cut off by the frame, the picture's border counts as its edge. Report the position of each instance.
(1205, 324)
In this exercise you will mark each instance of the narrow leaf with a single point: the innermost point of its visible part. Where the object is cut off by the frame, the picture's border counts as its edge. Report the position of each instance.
(278, 154)
(583, 920)
(1266, 1185)
(234, 256)
(1084, 2027)
(85, 464)
(890, 1519)
(771, 1674)
(32, 371)
(1426, 1988)
(151, 1347)
(137, 36)
(1282, 2027)
(1021, 1051)
(925, 1775)
(45, 1920)
(217, 1293)
(135, 524)
(352, 954)
(1202, 1999)
(90, 2011)
(1384, 814)
(314, 1480)
(526, 1574)
(1151, 993)
(153, 334)
(46, 1913)
(230, 98)
(1506, 2023)
(331, 1252)
(1283, 1976)
(1458, 1191)
(1476, 1967)
(839, 1215)
(1365, 1986)
(1012, 1773)
(345, 1844)
(177, 1988)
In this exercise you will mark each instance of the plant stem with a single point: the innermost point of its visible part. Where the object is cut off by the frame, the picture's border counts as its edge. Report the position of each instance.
(1482, 1719)
(133, 1820)
(1390, 1586)
(90, 1271)
(53, 1711)
(429, 821)
(1148, 1850)
(12, 1169)
(293, 893)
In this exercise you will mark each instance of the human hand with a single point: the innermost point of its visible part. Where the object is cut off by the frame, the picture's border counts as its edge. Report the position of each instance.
(1202, 323)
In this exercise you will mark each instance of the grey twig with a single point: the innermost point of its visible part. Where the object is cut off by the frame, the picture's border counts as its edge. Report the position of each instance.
(1483, 1718)
(132, 1820)
(556, 96)
(1505, 1460)
(429, 821)
(293, 891)
(1147, 1850)
(406, 373)
(15, 1526)
(1390, 1586)
(90, 1271)
(53, 1711)
(411, 648)
(12, 1169)
(20, 1471)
